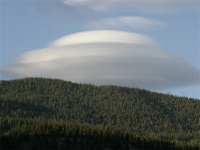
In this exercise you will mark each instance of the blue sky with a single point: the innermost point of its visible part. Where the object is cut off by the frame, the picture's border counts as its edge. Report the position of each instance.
(150, 44)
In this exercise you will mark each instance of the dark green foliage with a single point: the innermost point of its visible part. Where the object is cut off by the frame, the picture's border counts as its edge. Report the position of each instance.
(139, 112)
(48, 135)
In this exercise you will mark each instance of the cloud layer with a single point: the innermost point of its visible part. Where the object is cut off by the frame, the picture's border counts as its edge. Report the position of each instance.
(149, 6)
(106, 57)
(78, 12)
(70, 14)
(102, 36)
(126, 21)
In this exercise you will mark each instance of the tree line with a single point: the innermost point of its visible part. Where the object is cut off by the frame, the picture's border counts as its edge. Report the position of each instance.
(50, 135)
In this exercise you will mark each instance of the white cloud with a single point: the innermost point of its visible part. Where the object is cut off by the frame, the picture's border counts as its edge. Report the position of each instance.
(71, 2)
(150, 6)
(126, 21)
(70, 14)
(82, 12)
(120, 58)
(100, 36)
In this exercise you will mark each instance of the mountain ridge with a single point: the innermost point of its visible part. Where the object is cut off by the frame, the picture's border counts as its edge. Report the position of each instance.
(140, 112)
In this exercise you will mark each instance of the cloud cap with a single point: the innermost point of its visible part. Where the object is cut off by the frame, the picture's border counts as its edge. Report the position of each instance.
(106, 57)
(103, 36)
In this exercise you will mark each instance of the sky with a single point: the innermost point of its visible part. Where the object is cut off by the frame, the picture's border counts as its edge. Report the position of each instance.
(148, 44)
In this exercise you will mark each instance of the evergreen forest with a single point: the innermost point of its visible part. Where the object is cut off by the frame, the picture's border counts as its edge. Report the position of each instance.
(133, 113)
(51, 135)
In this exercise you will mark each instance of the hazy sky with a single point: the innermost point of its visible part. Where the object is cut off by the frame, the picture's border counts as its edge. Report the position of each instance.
(149, 44)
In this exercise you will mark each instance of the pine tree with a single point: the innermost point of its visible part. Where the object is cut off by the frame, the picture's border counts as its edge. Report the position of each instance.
(126, 137)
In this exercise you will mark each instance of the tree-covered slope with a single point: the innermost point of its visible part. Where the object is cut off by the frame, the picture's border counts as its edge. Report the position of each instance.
(137, 111)
(49, 135)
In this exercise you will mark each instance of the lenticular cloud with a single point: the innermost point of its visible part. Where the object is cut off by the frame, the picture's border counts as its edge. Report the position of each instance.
(106, 58)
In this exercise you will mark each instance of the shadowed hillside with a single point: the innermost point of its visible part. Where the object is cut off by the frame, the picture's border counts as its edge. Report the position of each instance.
(48, 135)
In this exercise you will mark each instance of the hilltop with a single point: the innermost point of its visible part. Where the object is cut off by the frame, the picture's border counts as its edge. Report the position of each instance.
(137, 111)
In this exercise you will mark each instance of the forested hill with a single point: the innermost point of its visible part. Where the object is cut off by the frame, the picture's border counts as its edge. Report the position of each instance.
(140, 112)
